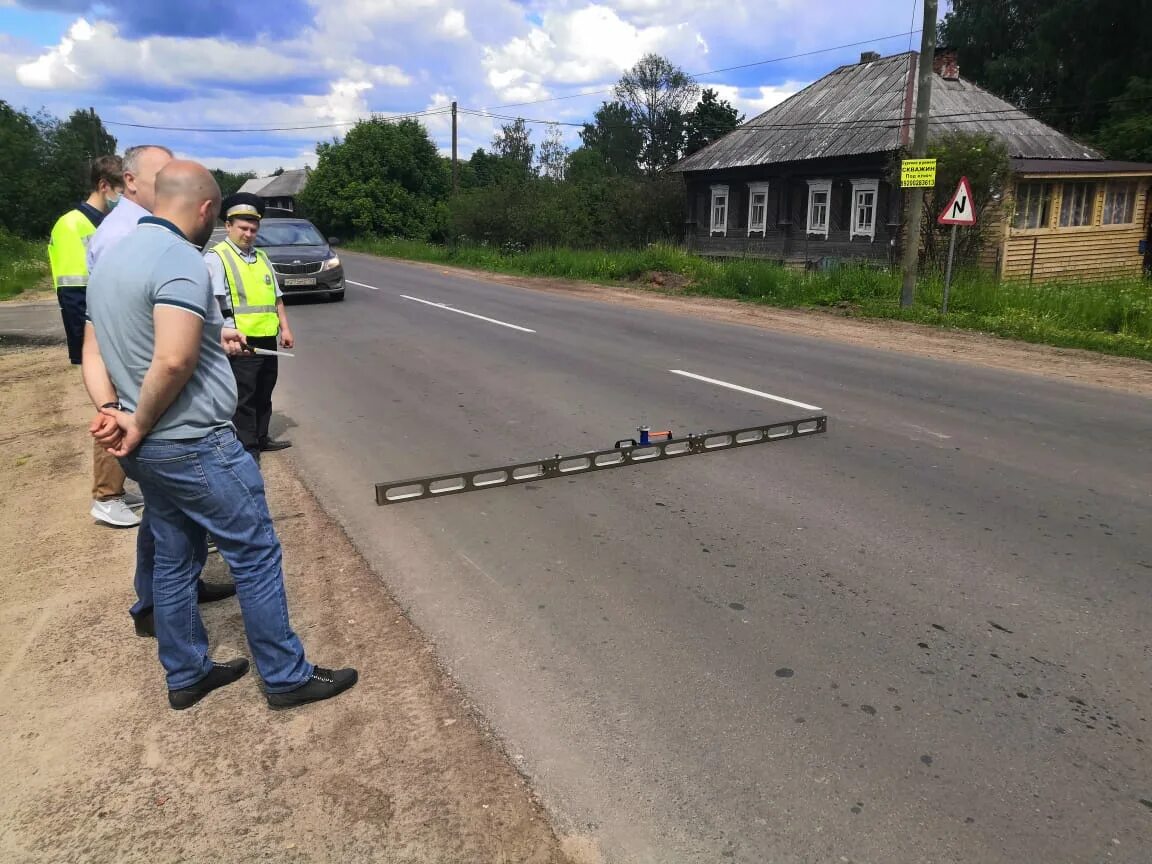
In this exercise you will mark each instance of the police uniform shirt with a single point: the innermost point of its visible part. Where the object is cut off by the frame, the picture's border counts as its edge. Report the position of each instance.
(220, 282)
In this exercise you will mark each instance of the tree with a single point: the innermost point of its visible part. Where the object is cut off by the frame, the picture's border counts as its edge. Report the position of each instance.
(21, 144)
(1127, 133)
(612, 142)
(710, 120)
(1061, 59)
(552, 160)
(983, 159)
(657, 95)
(515, 148)
(230, 182)
(385, 178)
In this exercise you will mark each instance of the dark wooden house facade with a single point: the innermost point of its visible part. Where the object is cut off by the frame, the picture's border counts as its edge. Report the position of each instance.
(809, 179)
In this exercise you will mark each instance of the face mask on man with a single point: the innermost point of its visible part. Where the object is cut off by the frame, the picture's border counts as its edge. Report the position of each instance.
(113, 201)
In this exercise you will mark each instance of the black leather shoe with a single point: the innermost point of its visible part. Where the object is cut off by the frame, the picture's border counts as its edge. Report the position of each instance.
(272, 445)
(324, 684)
(222, 674)
(144, 622)
(210, 592)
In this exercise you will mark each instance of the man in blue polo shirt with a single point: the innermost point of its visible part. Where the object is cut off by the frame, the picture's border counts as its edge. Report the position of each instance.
(140, 166)
(155, 366)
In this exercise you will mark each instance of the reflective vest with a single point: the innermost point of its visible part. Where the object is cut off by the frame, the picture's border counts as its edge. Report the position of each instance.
(68, 250)
(252, 288)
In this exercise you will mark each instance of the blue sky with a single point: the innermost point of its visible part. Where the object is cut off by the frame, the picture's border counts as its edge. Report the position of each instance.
(257, 64)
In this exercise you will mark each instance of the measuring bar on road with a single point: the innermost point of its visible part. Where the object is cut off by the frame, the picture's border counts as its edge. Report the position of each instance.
(419, 488)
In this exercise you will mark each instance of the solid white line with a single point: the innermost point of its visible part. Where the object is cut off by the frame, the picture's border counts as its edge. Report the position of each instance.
(361, 284)
(469, 314)
(745, 390)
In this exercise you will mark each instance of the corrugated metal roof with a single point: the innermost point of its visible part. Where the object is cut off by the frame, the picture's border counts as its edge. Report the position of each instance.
(1079, 166)
(254, 185)
(861, 109)
(287, 184)
(961, 106)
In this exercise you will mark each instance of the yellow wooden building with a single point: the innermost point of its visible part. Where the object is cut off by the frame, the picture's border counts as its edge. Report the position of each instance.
(1073, 218)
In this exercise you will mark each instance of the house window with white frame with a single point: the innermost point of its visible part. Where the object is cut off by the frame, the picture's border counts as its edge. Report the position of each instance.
(819, 205)
(1076, 205)
(865, 194)
(1119, 203)
(1033, 205)
(757, 207)
(719, 210)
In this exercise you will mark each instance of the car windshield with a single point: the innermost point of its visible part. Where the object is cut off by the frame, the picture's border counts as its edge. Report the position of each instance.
(288, 234)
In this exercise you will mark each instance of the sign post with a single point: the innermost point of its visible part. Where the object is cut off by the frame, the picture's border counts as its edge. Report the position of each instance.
(960, 210)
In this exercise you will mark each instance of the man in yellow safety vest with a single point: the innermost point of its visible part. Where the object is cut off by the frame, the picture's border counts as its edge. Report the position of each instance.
(67, 255)
(245, 286)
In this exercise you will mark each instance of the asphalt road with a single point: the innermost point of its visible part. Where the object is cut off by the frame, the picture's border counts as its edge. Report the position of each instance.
(921, 637)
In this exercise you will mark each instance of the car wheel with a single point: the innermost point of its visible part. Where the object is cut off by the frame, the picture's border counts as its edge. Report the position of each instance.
(336, 296)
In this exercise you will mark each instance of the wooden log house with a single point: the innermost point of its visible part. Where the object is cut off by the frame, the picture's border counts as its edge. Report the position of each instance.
(807, 182)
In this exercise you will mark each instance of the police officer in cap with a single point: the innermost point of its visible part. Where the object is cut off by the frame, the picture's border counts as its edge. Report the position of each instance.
(245, 286)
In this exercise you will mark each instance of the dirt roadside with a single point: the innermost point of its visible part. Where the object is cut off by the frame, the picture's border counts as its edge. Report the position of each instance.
(97, 768)
(960, 346)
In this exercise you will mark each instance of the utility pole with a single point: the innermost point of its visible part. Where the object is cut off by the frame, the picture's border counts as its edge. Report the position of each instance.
(95, 133)
(455, 166)
(914, 203)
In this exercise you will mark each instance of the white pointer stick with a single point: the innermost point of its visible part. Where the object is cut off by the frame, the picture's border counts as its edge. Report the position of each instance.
(268, 351)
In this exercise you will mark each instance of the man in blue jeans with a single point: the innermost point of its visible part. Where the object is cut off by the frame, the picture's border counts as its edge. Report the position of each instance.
(155, 366)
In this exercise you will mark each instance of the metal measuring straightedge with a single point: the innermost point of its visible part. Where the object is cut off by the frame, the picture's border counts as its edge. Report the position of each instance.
(649, 447)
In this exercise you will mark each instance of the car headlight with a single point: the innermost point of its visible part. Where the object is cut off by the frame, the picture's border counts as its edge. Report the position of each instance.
(331, 264)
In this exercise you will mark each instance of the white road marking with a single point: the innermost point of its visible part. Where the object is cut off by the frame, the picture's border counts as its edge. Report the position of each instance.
(448, 308)
(927, 431)
(747, 390)
(361, 284)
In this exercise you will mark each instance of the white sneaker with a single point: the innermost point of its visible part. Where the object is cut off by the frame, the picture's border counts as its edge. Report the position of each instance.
(131, 499)
(115, 513)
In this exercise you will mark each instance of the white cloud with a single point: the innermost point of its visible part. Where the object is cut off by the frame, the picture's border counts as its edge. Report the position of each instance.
(454, 25)
(387, 56)
(590, 44)
(751, 101)
(91, 55)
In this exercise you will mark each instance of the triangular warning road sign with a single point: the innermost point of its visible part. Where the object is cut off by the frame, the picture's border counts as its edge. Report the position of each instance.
(961, 209)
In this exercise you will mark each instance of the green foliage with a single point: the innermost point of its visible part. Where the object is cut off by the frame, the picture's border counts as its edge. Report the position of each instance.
(612, 142)
(1127, 133)
(710, 120)
(514, 146)
(586, 210)
(981, 158)
(71, 144)
(384, 178)
(657, 95)
(230, 182)
(1113, 317)
(49, 165)
(1063, 59)
(23, 264)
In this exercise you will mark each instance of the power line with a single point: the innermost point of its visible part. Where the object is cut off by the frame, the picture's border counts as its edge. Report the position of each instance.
(432, 112)
(716, 71)
(988, 115)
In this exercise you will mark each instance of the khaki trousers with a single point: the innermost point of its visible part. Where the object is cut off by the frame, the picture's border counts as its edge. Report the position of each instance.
(107, 475)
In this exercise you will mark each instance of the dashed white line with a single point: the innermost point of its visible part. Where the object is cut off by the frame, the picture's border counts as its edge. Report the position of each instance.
(361, 284)
(448, 308)
(747, 390)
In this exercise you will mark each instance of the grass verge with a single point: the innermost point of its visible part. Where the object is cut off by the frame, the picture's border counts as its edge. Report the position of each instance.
(1112, 317)
(23, 265)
